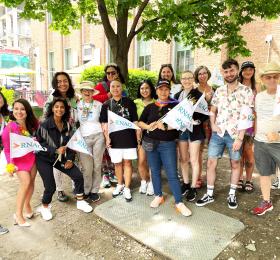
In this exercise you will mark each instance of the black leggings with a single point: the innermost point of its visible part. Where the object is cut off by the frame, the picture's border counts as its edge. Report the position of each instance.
(45, 169)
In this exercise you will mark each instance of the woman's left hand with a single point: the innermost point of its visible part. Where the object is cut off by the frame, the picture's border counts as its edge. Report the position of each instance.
(68, 164)
(160, 125)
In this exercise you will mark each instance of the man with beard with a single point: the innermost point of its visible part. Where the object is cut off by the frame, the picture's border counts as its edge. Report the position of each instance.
(224, 117)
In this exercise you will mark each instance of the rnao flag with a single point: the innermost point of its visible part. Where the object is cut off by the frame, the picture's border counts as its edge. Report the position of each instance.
(246, 118)
(180, 117)
(21, 145)
(276, 110)
(118, 123)
(77, 143)
(201, 106)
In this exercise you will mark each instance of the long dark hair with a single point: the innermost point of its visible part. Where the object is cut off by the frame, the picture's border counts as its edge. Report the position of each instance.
(66, 115)
(117, 68)
(171, 68)
(151, 86)
(70, 92)
(253, 78)
(31, 121)
(4, 111)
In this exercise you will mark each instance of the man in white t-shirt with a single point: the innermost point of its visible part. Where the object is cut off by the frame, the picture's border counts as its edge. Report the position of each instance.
(267, 138)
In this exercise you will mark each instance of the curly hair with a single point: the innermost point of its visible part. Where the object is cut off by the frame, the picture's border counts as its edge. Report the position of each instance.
(4, 111)
(31, 121)
(66, 114)
(70, 92)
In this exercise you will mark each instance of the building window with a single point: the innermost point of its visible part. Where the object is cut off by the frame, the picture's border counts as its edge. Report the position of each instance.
(51, 66)
(144, 54)
(87, 52)
(183, 58)
(67, 59)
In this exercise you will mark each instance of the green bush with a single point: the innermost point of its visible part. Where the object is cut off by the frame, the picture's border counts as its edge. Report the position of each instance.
(135, 76)
(9, 94)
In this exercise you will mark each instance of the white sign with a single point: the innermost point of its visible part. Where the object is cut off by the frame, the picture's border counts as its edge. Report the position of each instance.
(118, 123)
(21, 145)
(246, 118)
(78, 144)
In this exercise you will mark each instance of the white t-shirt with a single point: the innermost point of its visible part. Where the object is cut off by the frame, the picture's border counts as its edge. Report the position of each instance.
(266, 122)
(88, 116)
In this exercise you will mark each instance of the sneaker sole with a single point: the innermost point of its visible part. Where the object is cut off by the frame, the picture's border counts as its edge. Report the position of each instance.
(93, 200)
(191, 199)
(231, 207)
(114, 196)
(150, 194)
(128, 200)
(269, 209)
(205, 203)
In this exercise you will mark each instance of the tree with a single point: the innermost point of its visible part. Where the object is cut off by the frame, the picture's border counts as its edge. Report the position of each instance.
(199, 23)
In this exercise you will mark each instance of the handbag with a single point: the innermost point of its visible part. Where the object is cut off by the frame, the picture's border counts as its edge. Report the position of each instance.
(149, 144)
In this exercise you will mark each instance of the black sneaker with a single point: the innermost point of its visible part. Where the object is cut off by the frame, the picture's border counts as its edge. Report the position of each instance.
(185, 188)
(191, 194)
(232, 203)
(206, 199)
(94, 197)
(62, 197)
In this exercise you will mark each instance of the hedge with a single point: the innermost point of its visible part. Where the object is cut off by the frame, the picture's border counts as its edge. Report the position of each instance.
(135, 76)
(9, 94)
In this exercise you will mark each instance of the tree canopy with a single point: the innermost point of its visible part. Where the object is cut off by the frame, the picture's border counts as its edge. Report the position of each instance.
(198, 23)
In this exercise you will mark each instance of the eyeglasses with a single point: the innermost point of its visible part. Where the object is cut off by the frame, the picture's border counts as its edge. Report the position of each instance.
(169, 65)
(275, 77)
(184, 79)
(111, 73)
(202, 73)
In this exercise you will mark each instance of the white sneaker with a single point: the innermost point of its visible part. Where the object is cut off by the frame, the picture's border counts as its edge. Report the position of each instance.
(118, 190)
(45, 212)
(143, 187)
(84, 206)
(127, 194)
(275, 184)
(180, 207)
(150, 189)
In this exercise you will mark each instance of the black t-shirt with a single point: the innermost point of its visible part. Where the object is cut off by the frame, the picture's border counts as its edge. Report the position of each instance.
(152, 113)
(125, 108)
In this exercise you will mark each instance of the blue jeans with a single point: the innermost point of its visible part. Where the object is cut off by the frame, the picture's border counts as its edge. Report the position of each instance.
(165, 155)
(217, 146)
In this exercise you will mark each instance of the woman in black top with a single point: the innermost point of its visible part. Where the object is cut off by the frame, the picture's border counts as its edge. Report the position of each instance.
(159, 143)
(54, 134)
(189, 142)
(122, 144)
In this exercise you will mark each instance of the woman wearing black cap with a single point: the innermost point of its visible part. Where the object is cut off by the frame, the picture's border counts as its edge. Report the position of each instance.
(247, 78)
(159, 143)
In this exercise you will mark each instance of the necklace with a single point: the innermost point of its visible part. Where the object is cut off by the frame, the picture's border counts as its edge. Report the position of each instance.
(86, 110)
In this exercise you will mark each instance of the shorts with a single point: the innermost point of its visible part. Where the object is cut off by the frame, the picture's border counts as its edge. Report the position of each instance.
(185, 137)
(119, 154)
(267, 157)
(218, 144)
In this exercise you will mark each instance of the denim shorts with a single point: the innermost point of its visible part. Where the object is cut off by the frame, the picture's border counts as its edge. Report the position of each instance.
(267, 157)
(218, 144)
(185, 137)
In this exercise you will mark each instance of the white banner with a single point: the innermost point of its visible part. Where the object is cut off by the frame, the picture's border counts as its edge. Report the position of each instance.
(201, 106)
(276, 110)
(180, 117)
(78, 144)
(246, 118)
(21, 145)
(118, 123)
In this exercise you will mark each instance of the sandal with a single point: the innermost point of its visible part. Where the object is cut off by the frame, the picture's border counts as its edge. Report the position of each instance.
(249, 187)
(240, 185)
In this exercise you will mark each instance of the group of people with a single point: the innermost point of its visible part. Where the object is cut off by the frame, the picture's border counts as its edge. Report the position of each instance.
(156, 144)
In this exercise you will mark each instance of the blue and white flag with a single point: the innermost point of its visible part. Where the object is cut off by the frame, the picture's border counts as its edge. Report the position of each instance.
(21, 145)
(180, 117)
(201, 106)
(118, 123)
(246, 118)
(78, 144)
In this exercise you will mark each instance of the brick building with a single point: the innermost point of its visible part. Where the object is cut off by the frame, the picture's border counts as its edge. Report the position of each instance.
(53, 52)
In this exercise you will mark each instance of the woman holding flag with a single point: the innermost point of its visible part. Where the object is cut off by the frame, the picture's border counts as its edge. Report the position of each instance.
(159, 143)
(23, 122)
(88, 113)
(122, 140)
(190, 142)
(54, 134)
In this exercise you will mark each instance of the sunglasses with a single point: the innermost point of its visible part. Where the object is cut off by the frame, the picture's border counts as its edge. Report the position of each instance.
(111, 73)
(276, 77)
